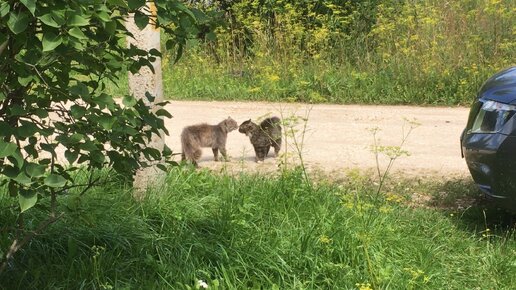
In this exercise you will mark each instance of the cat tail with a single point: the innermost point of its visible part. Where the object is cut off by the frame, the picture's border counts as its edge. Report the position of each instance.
(275, 120)
(190, 149)
(272, 122)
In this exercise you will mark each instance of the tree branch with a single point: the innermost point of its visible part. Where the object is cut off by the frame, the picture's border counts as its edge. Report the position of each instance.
(17, 243)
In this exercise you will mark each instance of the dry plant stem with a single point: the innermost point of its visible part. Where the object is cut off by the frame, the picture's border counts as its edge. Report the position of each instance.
(297, 144)
(20, 242)
(285, 137)
(392, 159)
(300, 145)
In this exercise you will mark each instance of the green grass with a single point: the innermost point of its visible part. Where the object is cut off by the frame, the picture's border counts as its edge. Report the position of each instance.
(317, 81)
(310, 82)
(382, 52)
(266, 232)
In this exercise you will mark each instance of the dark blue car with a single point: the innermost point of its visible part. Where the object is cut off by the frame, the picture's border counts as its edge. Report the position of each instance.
(489, 139)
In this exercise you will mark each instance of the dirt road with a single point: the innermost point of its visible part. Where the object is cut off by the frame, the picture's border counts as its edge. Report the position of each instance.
(338, 137)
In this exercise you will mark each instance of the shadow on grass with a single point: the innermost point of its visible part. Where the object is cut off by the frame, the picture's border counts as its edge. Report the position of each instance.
(461, 197)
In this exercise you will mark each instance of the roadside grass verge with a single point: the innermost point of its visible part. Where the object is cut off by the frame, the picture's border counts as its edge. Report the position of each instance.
(197, 77)
(267, 232)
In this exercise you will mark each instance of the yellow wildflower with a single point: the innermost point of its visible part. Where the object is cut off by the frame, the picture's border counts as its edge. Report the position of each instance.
(324, 239)
(364, 286)
(273, 78)
(254, 90)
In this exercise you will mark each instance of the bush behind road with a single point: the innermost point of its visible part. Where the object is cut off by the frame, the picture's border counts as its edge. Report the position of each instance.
(391, 52)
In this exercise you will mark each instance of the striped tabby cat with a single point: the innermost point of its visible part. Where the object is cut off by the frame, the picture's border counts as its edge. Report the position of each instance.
(263, 136)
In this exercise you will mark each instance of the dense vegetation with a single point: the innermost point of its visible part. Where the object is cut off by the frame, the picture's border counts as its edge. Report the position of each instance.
(56, 116)
(256, 232)
(377, 51)
(246, 231)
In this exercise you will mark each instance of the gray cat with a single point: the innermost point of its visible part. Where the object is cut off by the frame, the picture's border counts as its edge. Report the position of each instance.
(203, 135)
(262, 137)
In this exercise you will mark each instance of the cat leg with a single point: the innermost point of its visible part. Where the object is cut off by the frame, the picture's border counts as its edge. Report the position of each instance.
(223, 152)
(216, 153)
(277, 146)
(267, 150)
(260, 153)
(197, 153)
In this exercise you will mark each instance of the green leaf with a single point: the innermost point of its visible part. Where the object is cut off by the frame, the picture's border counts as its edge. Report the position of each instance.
(104, 100)
(155, 52)
(162, 167)
(110, 27)
(48, 20)
(135, 4)
(4, 9)
(163, 112)
(22, 178)
(129, 101)
(88, 146)
(151, 154)
(80, 89)
(200, 16)
(78, 111)
(102, 15)
(10, 171)
(27, 200)
(121, 3)
(106, 121)
(16, 158)
(7, 148)
(71, 156)
(167, 151)
(41, 113)
(2, 96)
(30, 4)
(184, 9)
(76, 19)
(98, 157)
(55, 180)
(18, 22)
(27, 129)
(211, 36)
(35, 170)
(77, 137)
(170, 44)
(24, 81)
(77, 33)
(59, 16)
(141, 20)
(12, 188)
(51, 41)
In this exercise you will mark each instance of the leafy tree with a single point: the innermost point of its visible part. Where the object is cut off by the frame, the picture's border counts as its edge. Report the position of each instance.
(56, 59)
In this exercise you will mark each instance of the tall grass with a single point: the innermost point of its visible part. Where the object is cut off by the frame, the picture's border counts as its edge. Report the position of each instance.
(390, 52)
(259, 232)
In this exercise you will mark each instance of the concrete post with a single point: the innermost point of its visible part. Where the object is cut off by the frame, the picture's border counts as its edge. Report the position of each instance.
(146, 81)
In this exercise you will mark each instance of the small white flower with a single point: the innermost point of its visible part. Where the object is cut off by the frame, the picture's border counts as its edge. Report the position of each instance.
(202, 284)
